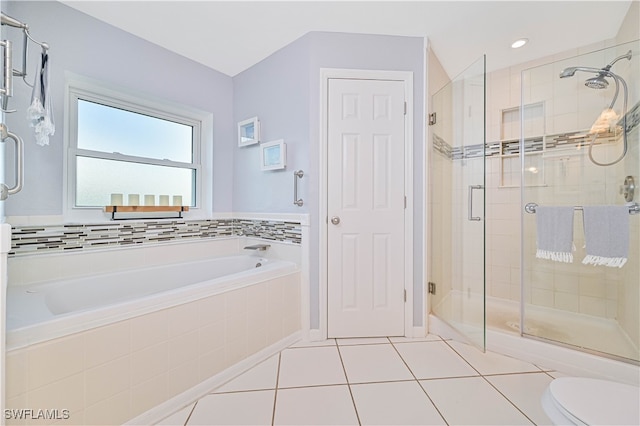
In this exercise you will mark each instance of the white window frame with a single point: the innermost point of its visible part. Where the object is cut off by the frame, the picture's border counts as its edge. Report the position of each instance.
(77, 87)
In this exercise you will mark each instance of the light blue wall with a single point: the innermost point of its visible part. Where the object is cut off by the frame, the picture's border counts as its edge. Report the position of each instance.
(88, 47)
(284, 92)
(276, 90)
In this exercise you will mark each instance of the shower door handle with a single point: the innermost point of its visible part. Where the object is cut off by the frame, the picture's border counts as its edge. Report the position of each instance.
(471, 216)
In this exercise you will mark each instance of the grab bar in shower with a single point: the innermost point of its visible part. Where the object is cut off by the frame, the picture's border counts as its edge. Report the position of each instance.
(531, 208)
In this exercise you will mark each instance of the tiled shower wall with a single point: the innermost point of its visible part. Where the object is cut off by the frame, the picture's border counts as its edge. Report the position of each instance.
(74, 237)
(569, 177)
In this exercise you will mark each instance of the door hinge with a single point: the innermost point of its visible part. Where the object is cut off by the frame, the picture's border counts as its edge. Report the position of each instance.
(405, 108)
(432, 119)
(432, 288)
(405, 296)
(405, 201)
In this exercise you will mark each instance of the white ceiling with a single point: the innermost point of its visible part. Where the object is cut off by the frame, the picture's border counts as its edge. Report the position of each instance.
(231, 36)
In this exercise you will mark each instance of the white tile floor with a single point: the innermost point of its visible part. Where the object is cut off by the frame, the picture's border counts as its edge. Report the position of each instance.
(379, 381)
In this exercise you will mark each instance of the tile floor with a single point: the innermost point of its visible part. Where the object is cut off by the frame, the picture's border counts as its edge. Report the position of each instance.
(378, 381)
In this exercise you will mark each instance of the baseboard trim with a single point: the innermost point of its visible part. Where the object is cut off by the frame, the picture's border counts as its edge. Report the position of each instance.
(418, 332)
(315, 335)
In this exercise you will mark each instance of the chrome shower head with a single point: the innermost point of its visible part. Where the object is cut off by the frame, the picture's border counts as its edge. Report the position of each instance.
(597, 82)
(568, 72)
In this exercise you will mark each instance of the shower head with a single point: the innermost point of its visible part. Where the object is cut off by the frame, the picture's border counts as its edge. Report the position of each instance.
(568, 72)
(597, 82)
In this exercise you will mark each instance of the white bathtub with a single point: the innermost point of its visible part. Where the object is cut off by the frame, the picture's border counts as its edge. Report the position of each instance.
(113, 346)
(43, 311)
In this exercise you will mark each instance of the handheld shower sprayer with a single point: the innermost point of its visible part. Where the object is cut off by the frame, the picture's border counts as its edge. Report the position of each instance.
(600, 82)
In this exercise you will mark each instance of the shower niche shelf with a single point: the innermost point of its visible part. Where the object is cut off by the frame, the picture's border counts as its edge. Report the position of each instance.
(145, 209)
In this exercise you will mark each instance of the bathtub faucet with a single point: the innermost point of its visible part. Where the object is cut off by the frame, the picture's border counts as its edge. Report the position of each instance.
(260, 247)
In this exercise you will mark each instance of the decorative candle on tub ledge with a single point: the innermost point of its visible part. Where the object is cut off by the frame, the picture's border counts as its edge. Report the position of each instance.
(164, 200)
(177, 200)
(116, 199)
(134, 199)
(149, 200)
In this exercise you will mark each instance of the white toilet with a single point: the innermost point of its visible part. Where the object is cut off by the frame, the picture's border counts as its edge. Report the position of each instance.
(584, 401)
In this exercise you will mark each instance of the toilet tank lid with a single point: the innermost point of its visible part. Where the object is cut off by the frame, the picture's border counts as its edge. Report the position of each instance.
(596, 401)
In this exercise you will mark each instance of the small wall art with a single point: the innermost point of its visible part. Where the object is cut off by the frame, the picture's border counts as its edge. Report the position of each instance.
(273, 155)
(249, 132)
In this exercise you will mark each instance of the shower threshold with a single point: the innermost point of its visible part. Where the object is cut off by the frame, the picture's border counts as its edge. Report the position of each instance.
(580, 331)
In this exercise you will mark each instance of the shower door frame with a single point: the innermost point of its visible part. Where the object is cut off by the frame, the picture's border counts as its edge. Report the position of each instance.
(463, 324)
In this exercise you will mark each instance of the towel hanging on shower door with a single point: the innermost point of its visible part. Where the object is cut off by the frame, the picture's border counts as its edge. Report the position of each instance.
(555, 233)
(40, 112)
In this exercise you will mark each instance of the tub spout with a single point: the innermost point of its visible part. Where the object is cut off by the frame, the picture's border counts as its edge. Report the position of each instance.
(260, 247)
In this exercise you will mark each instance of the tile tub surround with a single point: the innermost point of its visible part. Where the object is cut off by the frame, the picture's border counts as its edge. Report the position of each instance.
(32, 239)
(114, 373)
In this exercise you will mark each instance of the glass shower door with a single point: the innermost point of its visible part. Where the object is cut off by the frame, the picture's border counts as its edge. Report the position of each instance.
(594, 308)
(458, 204)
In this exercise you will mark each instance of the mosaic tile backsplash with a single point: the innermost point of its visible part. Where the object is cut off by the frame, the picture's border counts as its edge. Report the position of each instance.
(67, 237)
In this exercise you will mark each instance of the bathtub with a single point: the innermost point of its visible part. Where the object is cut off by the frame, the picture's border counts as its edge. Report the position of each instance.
(114, 346)
(38, 312)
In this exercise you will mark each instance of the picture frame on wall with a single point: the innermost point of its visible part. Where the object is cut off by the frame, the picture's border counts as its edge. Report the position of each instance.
(249, 132)
(273, 155)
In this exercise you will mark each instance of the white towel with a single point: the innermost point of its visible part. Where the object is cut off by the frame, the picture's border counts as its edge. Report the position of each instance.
(40, 112)
(606, 234)
(555, 233)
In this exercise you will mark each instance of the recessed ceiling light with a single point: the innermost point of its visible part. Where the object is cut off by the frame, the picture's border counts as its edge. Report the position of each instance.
(519, 43)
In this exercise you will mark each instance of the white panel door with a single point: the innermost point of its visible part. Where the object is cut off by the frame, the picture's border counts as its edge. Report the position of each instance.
(365, 208)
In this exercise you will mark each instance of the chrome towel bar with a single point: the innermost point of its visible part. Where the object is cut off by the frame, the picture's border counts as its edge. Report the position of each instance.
(531, 208)
(5, 191)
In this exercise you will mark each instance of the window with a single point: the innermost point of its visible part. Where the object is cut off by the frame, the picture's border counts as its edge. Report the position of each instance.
(125, 145)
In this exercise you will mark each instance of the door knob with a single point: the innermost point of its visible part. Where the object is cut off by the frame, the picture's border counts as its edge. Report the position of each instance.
(335, 220)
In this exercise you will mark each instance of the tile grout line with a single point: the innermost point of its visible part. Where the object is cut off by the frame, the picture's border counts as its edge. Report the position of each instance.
(463, 358)
(325, 385)
(186, 422)
(418, 382)
(275, 392)
(510, 402)
(491, 384)
(241, 391)
(344, 369)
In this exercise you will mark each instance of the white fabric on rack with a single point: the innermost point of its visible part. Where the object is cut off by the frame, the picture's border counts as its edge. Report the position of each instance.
(554, 233)
(606, 234)
(40, 112)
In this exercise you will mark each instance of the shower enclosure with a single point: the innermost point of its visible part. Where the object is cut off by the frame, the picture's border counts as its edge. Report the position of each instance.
(580, 124)
(537, 128)
(457, 170)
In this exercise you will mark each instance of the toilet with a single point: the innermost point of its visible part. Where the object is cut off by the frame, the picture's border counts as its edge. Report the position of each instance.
(585, 401)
